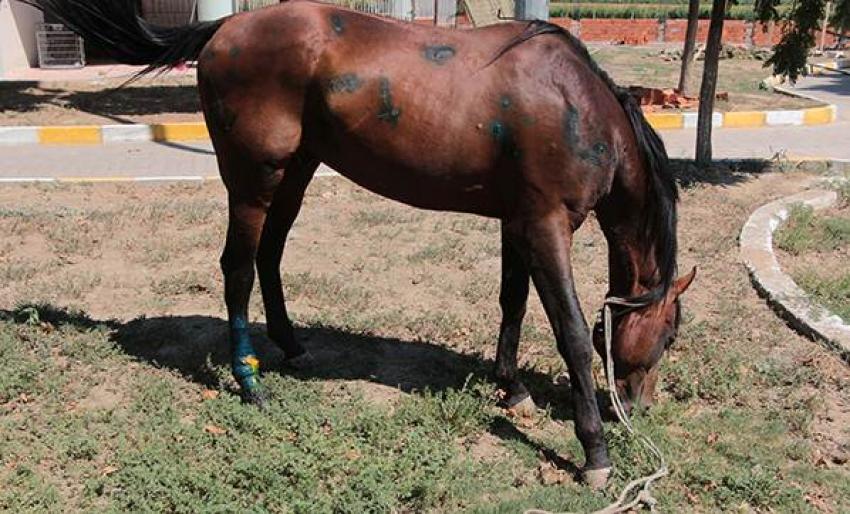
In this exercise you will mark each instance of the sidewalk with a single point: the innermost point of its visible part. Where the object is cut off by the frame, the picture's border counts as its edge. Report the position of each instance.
(825, 141)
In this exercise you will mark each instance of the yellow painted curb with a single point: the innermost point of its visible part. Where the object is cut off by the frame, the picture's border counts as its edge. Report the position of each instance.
(819, 115)
(744, 119)
(666, 121)
(71, 135)
(180, 131)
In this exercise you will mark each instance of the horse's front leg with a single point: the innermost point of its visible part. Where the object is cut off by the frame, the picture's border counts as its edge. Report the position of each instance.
(548, 243)
(512, 299)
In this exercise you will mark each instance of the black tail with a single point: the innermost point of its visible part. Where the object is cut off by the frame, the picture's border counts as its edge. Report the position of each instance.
(116, 27)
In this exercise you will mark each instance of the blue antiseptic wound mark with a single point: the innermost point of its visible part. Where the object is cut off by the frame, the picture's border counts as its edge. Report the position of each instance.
(245, 364)
(505, 102)
(504, 138)
(497, 130)
(596, 154)
(571, 119)
(337, 23)
(345, 83)
(439, 54)
(389, 112)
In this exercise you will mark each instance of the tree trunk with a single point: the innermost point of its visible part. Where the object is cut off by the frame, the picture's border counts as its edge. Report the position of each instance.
(709, 82)
(690, 46)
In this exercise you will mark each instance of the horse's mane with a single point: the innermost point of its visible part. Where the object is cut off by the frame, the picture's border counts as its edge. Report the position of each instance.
(659, 218)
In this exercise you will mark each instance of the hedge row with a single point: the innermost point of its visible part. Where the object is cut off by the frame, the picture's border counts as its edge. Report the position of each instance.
(659, 12)
(657, 2)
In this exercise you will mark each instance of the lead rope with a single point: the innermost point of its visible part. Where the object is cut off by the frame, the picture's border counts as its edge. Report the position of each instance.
(644, 495)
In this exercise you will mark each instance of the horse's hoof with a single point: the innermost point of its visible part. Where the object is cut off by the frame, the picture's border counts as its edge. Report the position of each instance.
(524, 408)
(257, 397)
(300, 362)
(597, 479)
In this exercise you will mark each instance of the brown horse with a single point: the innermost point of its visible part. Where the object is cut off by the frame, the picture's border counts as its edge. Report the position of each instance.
(513, 122)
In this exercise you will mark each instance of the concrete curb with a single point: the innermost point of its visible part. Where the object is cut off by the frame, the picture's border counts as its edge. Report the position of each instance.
(819, 68)
(197, 131)
(749, 119)
(100, 134)
(785, 296)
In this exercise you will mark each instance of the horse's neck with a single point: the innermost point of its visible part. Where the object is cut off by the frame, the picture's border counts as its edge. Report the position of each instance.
(631, 255)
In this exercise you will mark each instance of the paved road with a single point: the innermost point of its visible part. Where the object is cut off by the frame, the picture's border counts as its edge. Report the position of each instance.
(169, 159)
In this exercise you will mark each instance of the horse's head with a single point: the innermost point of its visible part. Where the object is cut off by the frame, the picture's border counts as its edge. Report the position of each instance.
(639, 336)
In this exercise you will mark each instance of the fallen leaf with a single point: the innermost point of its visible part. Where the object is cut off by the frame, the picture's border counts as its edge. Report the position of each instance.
(214, 430)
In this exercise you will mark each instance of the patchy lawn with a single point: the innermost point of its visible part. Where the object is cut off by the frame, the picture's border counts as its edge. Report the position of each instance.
(739, 77)
(116, 396)
(815, 251)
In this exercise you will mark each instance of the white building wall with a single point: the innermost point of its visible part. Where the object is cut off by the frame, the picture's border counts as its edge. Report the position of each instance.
(17, 35)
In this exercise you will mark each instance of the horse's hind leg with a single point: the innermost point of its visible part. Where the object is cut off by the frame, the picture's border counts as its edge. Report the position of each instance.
(512, 299)
(246, 218)
(281, 215)
(252, 188)
(548, 244)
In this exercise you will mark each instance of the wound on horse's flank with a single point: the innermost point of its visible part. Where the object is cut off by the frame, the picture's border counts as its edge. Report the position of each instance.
(345, 83)
(389, 112)
(503, 137)
(571, 135)
(337, 23)
(439, 54)
(597, 154)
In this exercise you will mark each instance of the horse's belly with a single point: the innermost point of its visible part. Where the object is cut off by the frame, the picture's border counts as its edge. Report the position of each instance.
(445, 190)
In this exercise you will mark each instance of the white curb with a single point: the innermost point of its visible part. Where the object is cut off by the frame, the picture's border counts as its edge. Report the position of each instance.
(794, 304)
(123, 133)
(18, 135)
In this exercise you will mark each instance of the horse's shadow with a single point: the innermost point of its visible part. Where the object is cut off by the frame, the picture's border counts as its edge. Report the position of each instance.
(194, 346)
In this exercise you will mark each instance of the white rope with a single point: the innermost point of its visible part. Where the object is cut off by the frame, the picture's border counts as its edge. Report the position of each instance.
(644, 495)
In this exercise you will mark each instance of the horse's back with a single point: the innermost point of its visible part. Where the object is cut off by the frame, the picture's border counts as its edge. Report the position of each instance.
(419, 114)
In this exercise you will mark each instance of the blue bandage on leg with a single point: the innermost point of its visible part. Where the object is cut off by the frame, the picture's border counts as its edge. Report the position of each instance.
(245, 364)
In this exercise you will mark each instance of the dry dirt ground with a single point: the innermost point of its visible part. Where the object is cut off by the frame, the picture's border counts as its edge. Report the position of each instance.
(167, 98)
(392, 301)
(172, 98)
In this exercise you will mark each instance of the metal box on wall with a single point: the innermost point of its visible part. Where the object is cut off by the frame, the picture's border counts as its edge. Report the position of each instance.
(58, 47)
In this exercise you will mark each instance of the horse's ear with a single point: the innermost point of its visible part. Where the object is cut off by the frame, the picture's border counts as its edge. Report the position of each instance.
(683, 283)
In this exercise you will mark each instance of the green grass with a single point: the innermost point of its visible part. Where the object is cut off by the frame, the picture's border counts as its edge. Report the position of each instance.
(803, 232)
(160, 447)
(831, 291)
(153, 450)
(824, 239)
